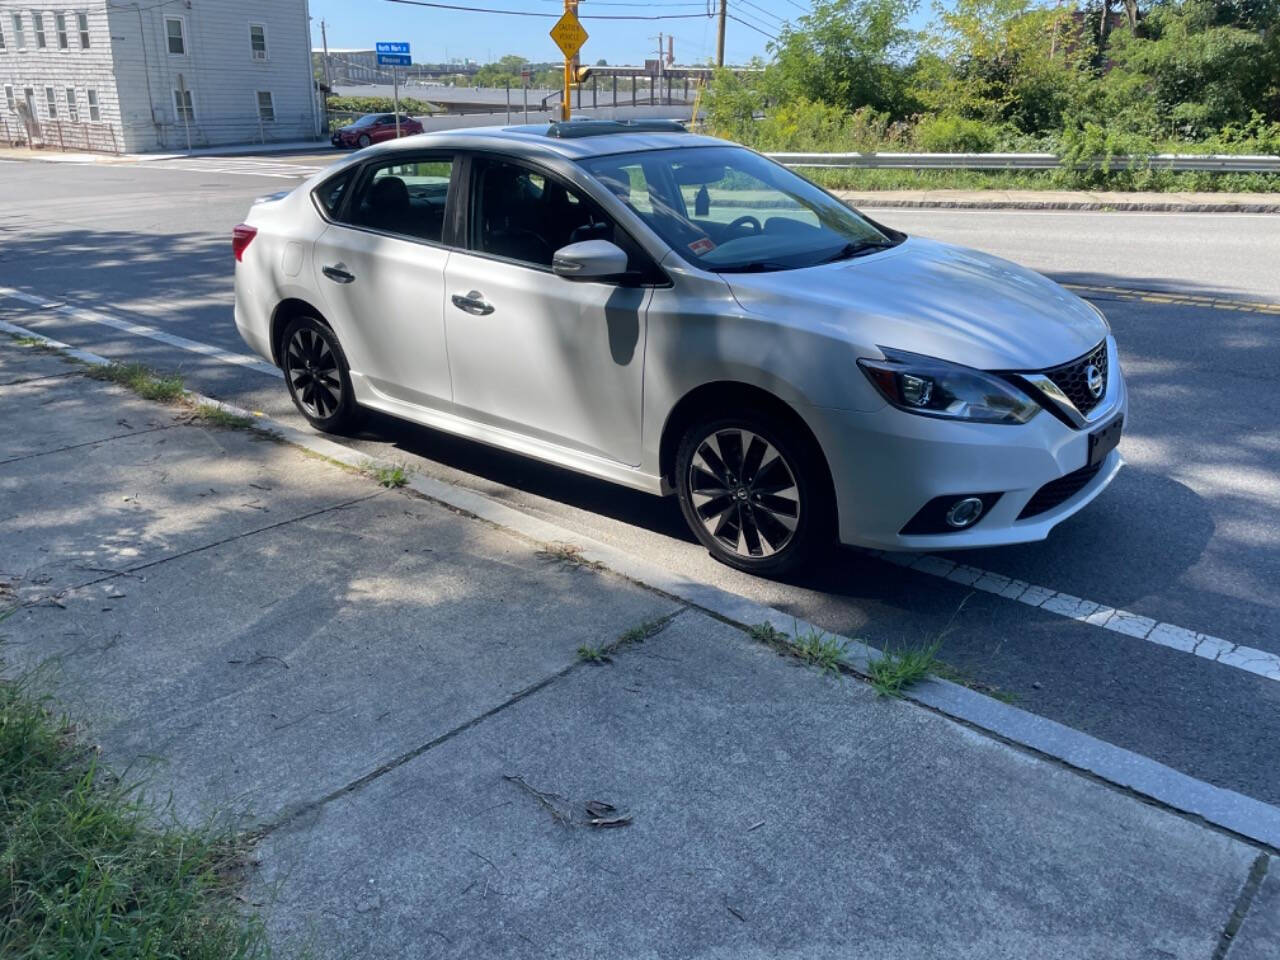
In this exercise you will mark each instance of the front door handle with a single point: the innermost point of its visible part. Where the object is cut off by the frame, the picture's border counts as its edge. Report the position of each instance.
(473, 302)
(338, 273)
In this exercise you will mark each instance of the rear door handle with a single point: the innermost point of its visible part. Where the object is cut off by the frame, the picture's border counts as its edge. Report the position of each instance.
(473, 302)
(338, 274)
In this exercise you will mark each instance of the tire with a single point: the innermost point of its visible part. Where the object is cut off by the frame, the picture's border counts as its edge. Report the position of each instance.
(318, 377)
(755, 492)
(364, 140)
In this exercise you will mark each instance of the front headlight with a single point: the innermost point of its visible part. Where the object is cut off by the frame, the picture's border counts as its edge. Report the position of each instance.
(936, 388)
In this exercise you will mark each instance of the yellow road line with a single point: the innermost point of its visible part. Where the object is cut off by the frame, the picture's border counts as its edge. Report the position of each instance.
(1177, 299)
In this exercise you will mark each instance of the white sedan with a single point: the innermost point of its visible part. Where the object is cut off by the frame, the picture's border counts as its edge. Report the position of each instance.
(681, 315)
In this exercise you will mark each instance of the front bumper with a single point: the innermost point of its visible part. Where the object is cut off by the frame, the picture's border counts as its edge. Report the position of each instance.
(887, 464)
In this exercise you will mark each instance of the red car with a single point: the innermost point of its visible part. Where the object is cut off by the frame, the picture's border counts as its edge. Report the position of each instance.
(374, 128)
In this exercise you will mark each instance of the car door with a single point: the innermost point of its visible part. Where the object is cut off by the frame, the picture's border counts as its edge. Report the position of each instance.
(555, 360)
(380, 264)
(384, 129)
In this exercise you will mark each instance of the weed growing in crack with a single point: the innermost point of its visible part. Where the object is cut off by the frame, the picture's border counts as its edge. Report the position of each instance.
(142, 380)
(900, 667)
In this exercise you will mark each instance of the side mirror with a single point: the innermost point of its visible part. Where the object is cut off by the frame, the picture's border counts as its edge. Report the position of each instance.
(589, 260)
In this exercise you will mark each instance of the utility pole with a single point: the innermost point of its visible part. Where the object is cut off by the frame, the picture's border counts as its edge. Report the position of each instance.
(324, 39)
(724, 13)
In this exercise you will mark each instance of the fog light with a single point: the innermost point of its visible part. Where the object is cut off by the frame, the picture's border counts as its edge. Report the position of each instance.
(964, 513)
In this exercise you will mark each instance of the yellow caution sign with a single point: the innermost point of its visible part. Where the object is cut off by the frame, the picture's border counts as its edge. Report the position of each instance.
(569, 34)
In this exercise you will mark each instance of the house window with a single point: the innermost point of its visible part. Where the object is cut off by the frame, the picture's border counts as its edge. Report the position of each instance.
(94, 113)
(60, 26)
(266, 107)
(82, 22)
(37, 21)
(9, 101)
(73, 108)
(19, 38)
(1, 38)
(176, 36)
(51, 99)
(258, 41)
(182, 105)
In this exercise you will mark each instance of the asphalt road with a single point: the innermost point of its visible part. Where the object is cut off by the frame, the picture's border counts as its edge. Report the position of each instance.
(1189, 534)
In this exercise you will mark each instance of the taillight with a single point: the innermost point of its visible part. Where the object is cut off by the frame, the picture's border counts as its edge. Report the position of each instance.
(241, 237)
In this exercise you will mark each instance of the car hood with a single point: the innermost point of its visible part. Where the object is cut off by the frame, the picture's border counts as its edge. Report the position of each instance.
(932, 298)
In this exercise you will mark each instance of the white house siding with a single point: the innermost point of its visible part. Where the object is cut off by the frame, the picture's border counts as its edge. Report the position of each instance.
(219, 70)
(81, 70)
(129, 65)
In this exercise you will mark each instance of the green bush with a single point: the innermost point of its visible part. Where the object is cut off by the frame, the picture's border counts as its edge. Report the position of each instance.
(361, 105)
(946, 133)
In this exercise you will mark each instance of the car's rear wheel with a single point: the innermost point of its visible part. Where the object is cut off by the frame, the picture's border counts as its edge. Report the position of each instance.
(319, 380)
(364, 140)
(754, 492)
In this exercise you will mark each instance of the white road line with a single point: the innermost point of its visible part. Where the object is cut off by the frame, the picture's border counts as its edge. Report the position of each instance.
(1096, 614)
(1249, 659)
(142, 330)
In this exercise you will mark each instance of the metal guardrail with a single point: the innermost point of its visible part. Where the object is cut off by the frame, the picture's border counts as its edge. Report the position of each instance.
(1176, 162)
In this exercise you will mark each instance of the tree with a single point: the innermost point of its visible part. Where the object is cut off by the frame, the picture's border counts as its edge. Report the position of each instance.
(1001, 62)
(847, 53)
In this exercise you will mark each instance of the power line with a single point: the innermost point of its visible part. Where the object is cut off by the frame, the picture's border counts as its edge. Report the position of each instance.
(551, 16)
(750, 26)
(760, 9)
(799, 6)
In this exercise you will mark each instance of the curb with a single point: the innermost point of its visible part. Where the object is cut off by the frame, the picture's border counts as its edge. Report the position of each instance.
(1245, 817)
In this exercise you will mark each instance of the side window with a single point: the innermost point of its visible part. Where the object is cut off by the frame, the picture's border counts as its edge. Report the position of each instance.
(406, 198)
(522, 215)
(330, 193)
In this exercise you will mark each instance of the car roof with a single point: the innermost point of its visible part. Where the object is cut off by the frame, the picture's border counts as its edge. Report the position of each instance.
(538, 140)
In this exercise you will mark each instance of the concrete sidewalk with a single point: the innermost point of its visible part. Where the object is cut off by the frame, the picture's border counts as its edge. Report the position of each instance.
(390, 693)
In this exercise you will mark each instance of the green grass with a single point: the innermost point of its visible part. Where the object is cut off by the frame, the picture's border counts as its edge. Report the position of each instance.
(390, 476)
(143, 381)
(900, 667)
(211, 413)
(820, 650)
(84, 870)
(23, 341)
(817, 649)
(1161, 181)
(766, 633)
(590, 654)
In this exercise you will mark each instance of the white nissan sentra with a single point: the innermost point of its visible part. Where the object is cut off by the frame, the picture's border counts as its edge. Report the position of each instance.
(681, 315)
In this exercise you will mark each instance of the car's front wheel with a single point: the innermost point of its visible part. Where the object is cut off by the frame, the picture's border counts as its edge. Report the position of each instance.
(754, 492)
(319, 381)
(364, 140)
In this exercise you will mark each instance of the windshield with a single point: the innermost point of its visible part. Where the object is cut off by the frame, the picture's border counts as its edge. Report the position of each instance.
(730, 210)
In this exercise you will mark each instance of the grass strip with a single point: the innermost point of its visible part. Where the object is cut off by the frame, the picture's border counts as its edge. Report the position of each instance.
(85, 871)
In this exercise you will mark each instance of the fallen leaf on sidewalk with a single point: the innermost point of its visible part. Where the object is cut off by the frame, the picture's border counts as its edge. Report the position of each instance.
(598, 808)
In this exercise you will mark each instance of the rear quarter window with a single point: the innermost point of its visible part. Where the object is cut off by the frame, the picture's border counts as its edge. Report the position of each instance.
(330, 193)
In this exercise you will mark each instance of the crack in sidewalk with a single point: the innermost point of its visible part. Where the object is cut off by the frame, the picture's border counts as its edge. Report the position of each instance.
(89, 443)
(130, 571)
(291, 814)
(1243, 903)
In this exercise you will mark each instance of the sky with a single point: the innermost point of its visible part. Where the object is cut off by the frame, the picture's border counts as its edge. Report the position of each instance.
(437, 35)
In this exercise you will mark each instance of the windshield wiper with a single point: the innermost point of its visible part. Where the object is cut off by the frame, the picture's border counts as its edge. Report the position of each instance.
(856, 248)
(757, 266)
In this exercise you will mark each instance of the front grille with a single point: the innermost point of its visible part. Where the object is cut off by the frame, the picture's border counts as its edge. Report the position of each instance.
(1071, 378)
(1059, 491)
